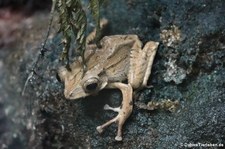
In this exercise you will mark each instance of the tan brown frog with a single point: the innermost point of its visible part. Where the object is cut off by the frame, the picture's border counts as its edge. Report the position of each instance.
(120, 58)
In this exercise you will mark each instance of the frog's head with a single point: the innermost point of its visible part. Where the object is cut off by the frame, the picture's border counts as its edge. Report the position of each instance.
(79, 84)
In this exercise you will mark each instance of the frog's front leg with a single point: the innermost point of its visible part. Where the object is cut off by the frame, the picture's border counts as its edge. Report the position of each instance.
(124, 110)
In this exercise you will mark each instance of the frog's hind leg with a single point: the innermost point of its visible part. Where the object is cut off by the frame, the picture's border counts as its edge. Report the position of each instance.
(150, 49)
(141, 61)
(124, 110)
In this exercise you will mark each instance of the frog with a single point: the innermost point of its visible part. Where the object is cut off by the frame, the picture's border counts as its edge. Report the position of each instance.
(122, 62)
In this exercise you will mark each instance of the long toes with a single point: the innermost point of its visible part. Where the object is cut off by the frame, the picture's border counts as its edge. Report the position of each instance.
(149, 86)
(107, 107)
(99, 129)
(118, 138)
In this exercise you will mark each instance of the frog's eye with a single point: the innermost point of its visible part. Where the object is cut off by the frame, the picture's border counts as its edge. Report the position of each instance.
(91, 85)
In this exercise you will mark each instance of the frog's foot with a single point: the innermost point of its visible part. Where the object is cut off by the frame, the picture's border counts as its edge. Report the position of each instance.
(117, 119)
(124, 110)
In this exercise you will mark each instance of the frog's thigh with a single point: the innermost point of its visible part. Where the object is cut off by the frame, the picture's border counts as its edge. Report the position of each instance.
(151, 48)
(141, 63)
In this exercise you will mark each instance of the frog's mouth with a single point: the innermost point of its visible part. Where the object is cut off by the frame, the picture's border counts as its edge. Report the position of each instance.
(75, 93)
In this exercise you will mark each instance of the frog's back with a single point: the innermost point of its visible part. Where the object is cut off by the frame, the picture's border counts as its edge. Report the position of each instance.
(113, 57)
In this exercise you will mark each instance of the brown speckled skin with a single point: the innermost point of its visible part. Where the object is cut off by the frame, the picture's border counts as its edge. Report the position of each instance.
(120, 58)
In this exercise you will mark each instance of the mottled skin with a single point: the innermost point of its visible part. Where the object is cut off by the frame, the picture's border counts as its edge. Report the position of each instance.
(120, 58)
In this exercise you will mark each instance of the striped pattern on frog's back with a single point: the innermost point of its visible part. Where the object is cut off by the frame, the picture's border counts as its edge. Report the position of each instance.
(113, 57)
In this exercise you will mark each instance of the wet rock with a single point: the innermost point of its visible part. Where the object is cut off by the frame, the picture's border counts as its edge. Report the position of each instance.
(200, 113)
(170, 37)
(174, 73)
(43, 118)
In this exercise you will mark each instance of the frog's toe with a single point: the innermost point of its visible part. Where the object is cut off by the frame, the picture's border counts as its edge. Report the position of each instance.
(107, 107)
(99, 129)
(148, 86)
(118, 138)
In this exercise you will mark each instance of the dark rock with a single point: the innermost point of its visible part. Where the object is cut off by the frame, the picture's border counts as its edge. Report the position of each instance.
(43, 118)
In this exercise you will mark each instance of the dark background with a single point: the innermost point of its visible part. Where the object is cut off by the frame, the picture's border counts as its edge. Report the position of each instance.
(43, 118)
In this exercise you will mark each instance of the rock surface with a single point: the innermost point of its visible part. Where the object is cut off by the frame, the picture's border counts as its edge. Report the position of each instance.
(43, 118)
